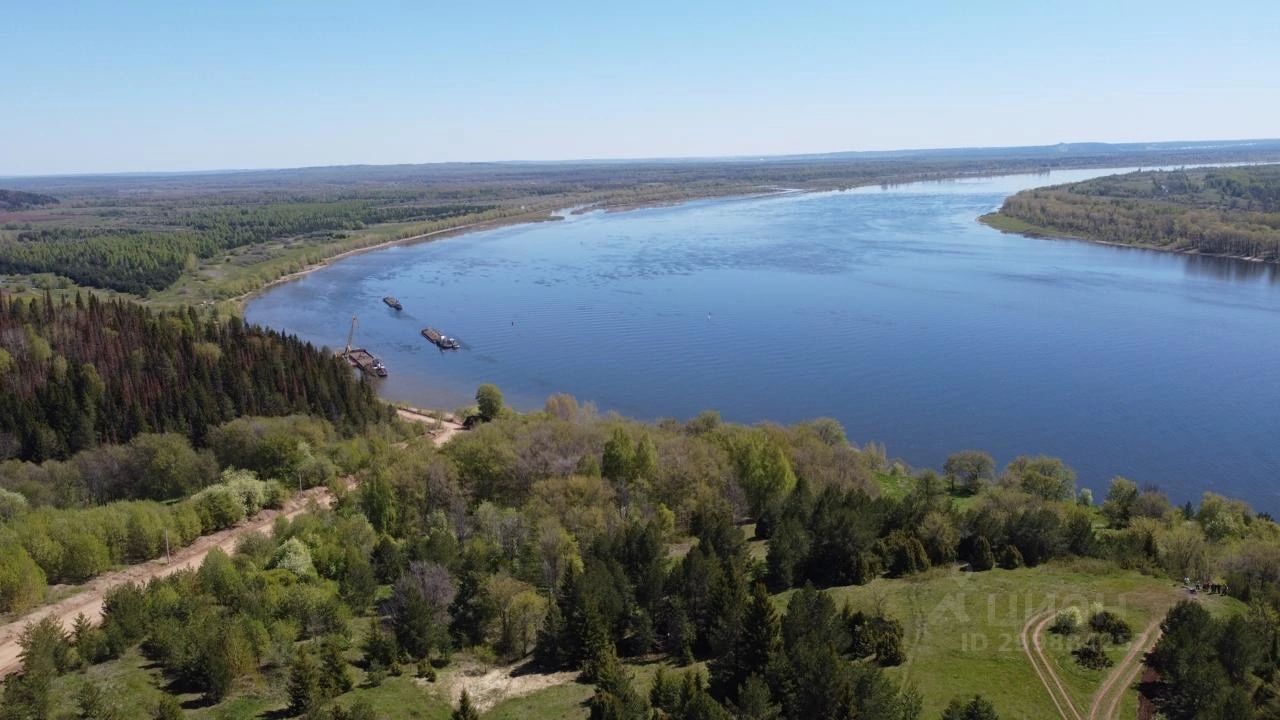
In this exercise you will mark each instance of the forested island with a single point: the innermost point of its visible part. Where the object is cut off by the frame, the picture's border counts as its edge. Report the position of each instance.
(1233, 212)
(589, 565)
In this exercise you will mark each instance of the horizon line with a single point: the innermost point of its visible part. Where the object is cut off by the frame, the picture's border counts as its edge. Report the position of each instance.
(746, 157)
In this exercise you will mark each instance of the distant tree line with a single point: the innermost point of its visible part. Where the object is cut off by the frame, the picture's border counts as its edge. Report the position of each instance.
(19, 200)
(1222, 211)
(137, 260)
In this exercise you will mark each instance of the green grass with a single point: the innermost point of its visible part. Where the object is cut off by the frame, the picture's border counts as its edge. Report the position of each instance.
(962, 629)
(559, 701)
(897, 486)
(1005, 223)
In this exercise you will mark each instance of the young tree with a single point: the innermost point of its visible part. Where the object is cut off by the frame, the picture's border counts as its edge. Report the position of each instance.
(983, 558)
(971, 467)
(306, 684)
(419, 609)
(472, 609)
(335, 677)
(619, 456)
(757, 640)
(1121, 498)
(489, 399)
(976, 708)
(92, 704)
(465, 710)
(755, 701)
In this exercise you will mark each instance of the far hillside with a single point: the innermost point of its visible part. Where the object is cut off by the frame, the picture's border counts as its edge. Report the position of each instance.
(19, 200)
(1218, 211)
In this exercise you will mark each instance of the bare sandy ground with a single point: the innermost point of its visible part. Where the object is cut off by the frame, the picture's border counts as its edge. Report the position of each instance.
(488, 688)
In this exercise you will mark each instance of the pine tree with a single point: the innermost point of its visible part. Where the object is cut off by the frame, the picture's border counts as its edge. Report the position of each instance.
(472, 610)
(335, 676)
(465, 710)
(619, 456)
(983, 558)
(306, 688)
(757, 640)
(755, 701)
(92, 704)
(546, 650)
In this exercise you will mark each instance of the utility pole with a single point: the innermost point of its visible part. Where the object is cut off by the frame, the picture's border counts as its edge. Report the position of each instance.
(167, 559)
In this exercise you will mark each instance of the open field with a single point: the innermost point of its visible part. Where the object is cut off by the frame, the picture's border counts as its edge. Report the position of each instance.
(963, 629)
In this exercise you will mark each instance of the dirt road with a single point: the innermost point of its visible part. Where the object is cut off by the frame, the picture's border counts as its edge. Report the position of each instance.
(88, 599)
(1106, 699)
(1044, 667)
(441, 430)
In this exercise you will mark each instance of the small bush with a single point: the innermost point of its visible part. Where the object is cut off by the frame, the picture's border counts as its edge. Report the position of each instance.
(1091, 654)
(1067, 621)
(1111, 625)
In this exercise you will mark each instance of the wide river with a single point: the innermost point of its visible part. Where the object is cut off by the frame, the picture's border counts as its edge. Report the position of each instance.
(890, 310)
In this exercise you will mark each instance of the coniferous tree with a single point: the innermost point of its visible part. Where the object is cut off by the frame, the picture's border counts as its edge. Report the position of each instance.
(306, 684)
(757, 640)
(465, 710)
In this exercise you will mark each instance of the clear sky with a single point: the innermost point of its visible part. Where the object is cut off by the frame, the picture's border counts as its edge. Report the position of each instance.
(133, 86)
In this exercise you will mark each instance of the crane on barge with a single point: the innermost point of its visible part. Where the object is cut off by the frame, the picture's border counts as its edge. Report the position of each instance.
(362, 359)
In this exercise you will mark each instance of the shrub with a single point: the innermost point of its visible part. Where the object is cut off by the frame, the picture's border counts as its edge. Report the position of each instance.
(1091, 655)
(22, 582)
(1110, 624)
(294, 556)
(219, 507)
(1067, 621)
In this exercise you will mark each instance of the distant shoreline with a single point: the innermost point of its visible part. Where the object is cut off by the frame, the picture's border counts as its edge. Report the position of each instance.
(524, 219)
(1013, 226)
(243, 298)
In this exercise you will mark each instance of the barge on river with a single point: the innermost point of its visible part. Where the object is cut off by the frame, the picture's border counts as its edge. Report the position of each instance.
(361, 359)
(442, 341)
(393, 302)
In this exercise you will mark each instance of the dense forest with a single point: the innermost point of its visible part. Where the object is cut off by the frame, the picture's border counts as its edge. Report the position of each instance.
(19, 200)
(77, 374)
(141, 260)
(1221, 211)
(610, 548)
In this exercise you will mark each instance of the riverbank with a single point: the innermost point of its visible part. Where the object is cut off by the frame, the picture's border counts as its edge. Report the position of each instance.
(539, 216)
(1015, 226)
(240, 300)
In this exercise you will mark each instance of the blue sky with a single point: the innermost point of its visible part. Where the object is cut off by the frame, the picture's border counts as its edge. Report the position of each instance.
(135, 86)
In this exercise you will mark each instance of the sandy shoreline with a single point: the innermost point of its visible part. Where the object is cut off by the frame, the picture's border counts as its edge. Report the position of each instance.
(241, 299)
(534, 217)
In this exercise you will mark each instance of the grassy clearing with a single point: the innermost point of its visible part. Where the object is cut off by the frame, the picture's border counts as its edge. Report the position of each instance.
(561, 701)
(962, 629)
(1005, 223)
(898, 486)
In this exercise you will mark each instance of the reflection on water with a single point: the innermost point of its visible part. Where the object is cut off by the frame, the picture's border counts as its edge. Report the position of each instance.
(1230, 270)
(891, 310)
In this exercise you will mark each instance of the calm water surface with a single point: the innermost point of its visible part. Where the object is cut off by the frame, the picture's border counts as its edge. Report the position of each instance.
(890, 310)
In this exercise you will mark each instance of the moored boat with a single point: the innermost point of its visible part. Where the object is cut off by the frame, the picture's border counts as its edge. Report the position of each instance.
(444, 342)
